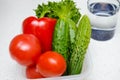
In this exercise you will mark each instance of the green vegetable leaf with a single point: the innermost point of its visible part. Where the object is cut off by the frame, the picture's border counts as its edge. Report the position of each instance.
(61, 9)
(66, 9)
(42, 10)
(45, 10)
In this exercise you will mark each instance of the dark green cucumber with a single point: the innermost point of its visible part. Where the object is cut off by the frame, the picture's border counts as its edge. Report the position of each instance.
(60, 41)
(80, 46)
(64, 38)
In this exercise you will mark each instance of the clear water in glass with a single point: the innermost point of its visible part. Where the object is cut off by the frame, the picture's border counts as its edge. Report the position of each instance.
(103, 17)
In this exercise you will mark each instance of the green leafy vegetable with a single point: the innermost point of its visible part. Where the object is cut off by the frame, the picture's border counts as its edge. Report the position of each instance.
(66, 9)
(45, 10)
(42, 10)
(61, 9)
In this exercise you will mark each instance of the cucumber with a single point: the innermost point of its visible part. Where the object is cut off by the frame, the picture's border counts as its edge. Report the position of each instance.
(60, 41)
(80, 46)
(64, 38)
(72, 35)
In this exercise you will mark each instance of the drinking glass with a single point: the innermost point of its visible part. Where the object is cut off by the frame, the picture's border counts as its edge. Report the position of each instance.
(103, 15)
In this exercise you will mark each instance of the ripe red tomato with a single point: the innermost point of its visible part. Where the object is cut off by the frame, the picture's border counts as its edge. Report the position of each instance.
(51, 64)
(42, 28)
(32, 73)
(25, 49)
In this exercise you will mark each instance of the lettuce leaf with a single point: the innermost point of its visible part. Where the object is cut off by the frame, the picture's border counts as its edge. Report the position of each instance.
(61, 9)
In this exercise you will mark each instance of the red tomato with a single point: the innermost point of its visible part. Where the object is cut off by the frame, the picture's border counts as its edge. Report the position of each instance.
(25, 49)
(51, 64)
(42, 28)
(32, 73)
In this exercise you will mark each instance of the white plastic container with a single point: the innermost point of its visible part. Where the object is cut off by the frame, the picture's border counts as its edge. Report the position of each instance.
(87, 66)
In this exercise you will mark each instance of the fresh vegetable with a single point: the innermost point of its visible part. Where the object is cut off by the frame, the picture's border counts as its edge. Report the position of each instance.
(80, 46)
(58, 33)
(51, 64)
(64, 38)
(72, 35)
(32, 73)
(61, 38)
(25, 49)
(65, 29)
(45, 10)
(42, 28)
(54, 10)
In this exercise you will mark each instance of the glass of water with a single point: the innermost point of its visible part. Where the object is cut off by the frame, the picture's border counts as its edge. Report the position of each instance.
(103, 15)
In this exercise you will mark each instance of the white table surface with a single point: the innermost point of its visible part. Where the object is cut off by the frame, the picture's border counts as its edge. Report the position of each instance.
(105, 55)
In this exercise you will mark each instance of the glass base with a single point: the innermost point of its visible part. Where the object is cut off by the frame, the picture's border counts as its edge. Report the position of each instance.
(102, 35)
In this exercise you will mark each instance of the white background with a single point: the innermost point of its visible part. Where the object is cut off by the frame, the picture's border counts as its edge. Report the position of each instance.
(105, 55)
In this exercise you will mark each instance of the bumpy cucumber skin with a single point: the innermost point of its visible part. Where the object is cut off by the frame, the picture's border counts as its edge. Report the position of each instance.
(80, 46)
(64, 38)
(72, 35)
(61, 38)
